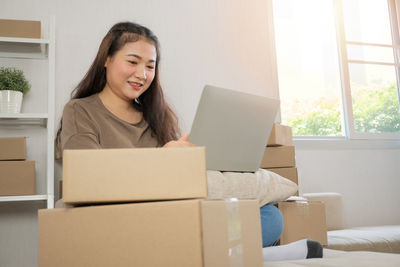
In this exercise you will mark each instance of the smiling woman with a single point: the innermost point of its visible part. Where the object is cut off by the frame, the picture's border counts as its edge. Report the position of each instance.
(120, 103)
(129, 73)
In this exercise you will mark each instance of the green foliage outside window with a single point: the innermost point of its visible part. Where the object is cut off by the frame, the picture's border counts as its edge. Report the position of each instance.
(321, 118)
(375, 111)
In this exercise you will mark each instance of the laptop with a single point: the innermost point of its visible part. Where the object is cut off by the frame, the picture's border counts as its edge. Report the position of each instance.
(234, 127)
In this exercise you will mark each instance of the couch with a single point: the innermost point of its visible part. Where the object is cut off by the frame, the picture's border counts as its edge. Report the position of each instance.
(385, 238)
(360, 246)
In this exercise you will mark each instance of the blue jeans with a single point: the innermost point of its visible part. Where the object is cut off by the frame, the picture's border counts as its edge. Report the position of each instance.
(271, 225)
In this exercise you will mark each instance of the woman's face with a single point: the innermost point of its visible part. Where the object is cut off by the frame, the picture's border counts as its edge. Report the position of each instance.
(131, 70)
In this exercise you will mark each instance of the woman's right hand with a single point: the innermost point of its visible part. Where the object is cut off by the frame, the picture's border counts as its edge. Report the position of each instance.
(181, 142)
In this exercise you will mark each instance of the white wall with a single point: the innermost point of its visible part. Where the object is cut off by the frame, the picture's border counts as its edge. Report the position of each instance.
(367, 175)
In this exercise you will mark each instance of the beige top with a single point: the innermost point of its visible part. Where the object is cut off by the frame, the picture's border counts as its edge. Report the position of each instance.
(87, 123)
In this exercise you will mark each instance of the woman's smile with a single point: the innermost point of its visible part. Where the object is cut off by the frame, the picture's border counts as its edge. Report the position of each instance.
(135, 85)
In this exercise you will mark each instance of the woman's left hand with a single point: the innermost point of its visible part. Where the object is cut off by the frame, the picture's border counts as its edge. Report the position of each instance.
(181, 142)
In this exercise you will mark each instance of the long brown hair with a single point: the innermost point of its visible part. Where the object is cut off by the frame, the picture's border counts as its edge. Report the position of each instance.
(160, 117)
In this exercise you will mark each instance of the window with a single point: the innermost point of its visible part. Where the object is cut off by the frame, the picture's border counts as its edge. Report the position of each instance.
(338, 67)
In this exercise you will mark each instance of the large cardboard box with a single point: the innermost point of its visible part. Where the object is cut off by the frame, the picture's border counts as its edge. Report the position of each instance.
(142, 174)
(20, 28)
(278, 157)
(168, 233)
(17, 178)
(303, 220)
(281, 135)
(12, 148)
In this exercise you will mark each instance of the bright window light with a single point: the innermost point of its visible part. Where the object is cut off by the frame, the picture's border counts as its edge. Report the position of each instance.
(338, 67)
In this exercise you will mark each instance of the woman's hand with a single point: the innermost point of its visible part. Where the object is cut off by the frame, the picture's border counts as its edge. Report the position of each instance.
(181, 142)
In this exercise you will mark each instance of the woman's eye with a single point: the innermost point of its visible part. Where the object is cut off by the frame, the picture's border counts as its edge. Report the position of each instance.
(133, 62)
(150, 67)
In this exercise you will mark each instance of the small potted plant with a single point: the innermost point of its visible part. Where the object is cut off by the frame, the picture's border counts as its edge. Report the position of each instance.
(13, 85)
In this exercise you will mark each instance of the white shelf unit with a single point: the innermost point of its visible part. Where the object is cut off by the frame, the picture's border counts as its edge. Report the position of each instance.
(38, 49)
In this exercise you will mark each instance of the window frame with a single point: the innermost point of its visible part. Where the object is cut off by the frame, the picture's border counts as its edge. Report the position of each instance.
(347, 121)
(347, 108)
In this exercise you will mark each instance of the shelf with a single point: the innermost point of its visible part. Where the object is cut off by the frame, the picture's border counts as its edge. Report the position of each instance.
(23, 119)
(34, 123)
(24, 48)
(23, 198)
(23, 116)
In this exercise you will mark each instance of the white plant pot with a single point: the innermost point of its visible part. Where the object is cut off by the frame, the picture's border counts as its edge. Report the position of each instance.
(10, 101)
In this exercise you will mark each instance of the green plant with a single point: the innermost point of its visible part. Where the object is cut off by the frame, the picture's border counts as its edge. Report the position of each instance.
(13, 79)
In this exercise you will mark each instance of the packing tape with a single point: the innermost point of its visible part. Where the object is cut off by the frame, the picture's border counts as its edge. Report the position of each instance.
(234, 232)
(303, 210)
(234, 224)
(236, 256)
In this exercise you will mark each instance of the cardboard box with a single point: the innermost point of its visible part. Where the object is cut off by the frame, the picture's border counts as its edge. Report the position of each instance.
(141, 174)
(17, 178)
(281, 135)
(288, 173)
(12, 148)
(278, 157)
(303, 220)
(20, 28)
(169, 233)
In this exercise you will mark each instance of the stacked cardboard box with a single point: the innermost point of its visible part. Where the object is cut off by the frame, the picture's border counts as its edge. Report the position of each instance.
(300, 219)
(279, 156)
(20, 28)
(17, 175)
(146, 207)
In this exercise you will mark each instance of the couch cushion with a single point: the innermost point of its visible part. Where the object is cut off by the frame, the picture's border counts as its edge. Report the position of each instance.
(263, 185)
(377, 238)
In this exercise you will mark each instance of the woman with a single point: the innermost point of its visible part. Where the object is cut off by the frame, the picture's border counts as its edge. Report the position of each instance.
(120, 104)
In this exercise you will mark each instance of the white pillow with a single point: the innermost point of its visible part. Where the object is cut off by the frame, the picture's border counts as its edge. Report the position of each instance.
(263, 185)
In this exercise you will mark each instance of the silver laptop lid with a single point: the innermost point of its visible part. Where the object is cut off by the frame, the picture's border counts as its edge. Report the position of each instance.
(234, 127)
